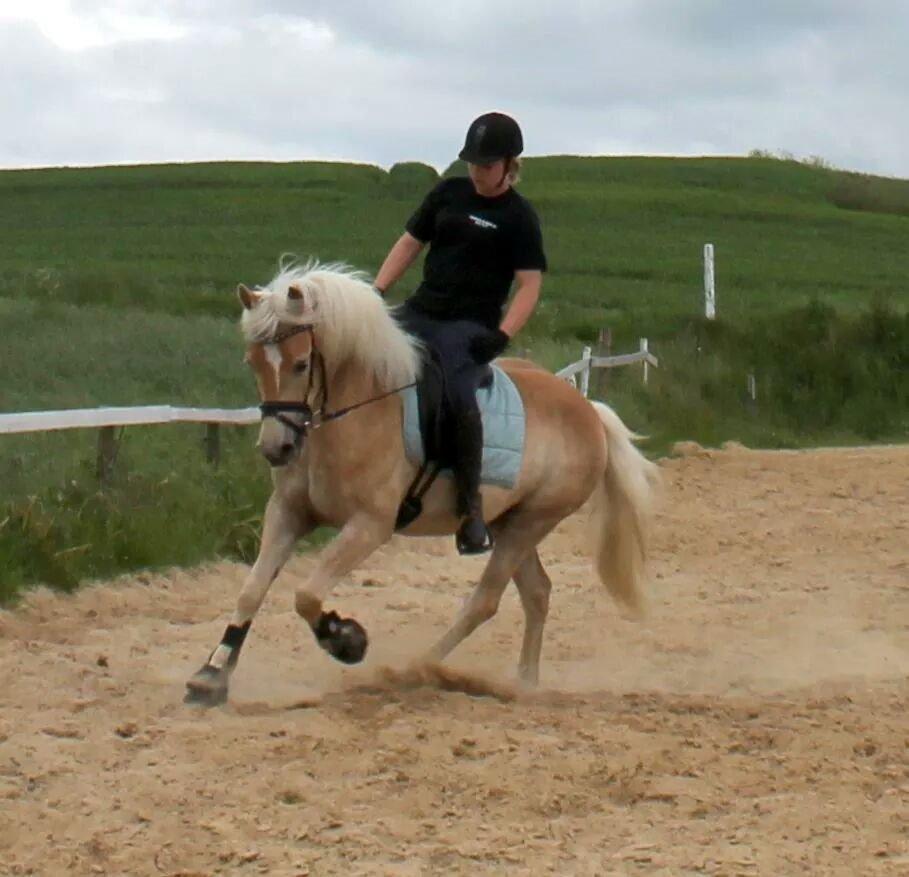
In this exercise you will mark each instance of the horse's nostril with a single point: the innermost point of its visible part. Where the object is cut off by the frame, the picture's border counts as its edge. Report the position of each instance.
(279, 456)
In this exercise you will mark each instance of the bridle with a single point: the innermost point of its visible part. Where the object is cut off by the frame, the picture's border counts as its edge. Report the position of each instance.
(277, 409)
(312, 419)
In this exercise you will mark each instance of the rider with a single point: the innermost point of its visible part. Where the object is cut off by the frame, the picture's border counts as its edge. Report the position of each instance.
(482, 237)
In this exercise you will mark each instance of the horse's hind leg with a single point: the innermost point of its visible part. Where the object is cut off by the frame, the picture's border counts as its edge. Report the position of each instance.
(281, 528)
(515, 536)
(480, 606)
(534, 586)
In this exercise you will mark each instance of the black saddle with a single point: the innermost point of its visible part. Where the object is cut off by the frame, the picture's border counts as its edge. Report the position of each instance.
(436, 429)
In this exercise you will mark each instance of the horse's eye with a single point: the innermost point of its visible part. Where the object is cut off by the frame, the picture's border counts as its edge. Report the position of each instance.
(300, 366)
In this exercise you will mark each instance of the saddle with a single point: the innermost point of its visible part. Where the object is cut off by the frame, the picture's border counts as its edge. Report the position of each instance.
(436, 429)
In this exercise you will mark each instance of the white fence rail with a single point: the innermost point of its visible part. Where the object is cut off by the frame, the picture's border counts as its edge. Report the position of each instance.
(108, 419)
(80, 418)
(588, 361)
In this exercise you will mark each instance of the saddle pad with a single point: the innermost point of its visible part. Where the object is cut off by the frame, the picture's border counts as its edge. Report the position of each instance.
(502, 410)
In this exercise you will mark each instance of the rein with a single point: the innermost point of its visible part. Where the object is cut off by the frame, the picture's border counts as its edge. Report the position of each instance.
(314, 419)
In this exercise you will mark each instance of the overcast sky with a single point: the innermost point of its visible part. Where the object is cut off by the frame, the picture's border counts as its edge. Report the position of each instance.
(94, 82)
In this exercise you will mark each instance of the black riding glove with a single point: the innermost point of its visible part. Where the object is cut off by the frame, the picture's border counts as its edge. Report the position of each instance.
(485, 348)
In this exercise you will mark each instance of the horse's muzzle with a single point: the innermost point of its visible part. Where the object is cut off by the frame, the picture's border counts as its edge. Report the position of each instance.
(293, 420)
(282, 455)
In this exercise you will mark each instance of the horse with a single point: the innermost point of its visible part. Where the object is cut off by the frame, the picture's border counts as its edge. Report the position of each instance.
(320, 333)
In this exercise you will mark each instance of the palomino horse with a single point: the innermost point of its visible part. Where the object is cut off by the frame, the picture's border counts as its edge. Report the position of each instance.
(320, 334)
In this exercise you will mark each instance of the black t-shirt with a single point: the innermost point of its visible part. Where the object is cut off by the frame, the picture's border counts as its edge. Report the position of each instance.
(475, 246)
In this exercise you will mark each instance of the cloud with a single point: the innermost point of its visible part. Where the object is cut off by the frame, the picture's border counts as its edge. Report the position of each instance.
(280, 79)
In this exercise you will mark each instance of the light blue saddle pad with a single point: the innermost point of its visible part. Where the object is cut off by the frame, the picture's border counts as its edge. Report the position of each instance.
(502, 410)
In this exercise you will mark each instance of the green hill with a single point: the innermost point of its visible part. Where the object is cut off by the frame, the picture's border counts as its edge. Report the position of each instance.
(624, 235)
(116, 287)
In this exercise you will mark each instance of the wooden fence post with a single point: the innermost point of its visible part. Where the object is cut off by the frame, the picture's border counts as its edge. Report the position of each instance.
(604, 348)
(107, 455)
(212, 443)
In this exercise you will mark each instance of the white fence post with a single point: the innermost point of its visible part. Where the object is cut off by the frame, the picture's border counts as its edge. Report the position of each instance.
(585, 375)
(709, 283)
(644, 352)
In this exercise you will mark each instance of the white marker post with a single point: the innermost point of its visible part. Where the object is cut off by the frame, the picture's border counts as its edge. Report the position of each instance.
(644, 351)
(709, 283)
(585, 375)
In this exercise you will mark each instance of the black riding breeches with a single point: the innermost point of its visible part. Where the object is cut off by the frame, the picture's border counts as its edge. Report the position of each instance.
(450, 339)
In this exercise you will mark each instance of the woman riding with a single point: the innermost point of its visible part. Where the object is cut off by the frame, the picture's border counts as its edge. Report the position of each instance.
(483, 237)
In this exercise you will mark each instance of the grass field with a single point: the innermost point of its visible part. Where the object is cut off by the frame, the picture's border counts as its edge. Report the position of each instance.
(116, 287)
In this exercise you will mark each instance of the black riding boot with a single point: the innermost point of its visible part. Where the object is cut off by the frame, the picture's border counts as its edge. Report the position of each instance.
(473, 536)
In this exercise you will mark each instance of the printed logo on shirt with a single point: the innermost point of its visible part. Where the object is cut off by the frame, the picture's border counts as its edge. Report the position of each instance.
(483, 223)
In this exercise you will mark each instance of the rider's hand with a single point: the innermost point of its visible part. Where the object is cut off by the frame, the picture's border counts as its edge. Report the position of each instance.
(485, 348)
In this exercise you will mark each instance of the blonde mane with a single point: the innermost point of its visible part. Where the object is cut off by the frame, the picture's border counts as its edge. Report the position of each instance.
(350, 320)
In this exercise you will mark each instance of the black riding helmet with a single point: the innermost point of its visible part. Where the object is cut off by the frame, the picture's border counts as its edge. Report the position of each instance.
(490, 138)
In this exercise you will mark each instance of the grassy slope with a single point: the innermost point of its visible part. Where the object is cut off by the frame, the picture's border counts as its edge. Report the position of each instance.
(624, 235)
(116, 288)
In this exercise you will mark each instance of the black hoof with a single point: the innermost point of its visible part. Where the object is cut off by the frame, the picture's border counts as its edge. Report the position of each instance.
(207, 688)
(343, 638)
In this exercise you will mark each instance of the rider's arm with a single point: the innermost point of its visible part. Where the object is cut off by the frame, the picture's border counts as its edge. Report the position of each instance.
(400, 257)
(526, 295)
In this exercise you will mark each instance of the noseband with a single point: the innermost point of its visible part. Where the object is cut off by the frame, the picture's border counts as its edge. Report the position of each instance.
(312, 419)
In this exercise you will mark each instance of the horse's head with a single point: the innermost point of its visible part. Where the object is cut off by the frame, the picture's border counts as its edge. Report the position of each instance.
(281, 353)
(310, 324)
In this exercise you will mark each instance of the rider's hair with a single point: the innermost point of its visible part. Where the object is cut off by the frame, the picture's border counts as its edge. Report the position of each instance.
(512, 171)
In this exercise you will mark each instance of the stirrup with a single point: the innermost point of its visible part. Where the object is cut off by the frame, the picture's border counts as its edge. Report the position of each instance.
(469, 546)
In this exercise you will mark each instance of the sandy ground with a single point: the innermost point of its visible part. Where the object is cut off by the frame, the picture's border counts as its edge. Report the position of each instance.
(755, 723)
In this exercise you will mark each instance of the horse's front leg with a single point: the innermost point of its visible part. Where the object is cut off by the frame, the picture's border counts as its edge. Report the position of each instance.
(343, 638)
(281, 529)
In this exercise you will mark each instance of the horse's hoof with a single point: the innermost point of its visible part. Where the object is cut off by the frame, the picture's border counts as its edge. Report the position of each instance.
(208, 687)
(343, 638)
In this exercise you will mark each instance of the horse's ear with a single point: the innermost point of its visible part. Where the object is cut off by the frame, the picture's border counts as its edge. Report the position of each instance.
(249, 298)
(296, 301)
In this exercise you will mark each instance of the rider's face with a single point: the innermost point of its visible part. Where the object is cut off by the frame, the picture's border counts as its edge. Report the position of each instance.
(488, 179)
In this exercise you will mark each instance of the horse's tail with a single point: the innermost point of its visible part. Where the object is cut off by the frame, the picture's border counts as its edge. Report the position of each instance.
(621, 512)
